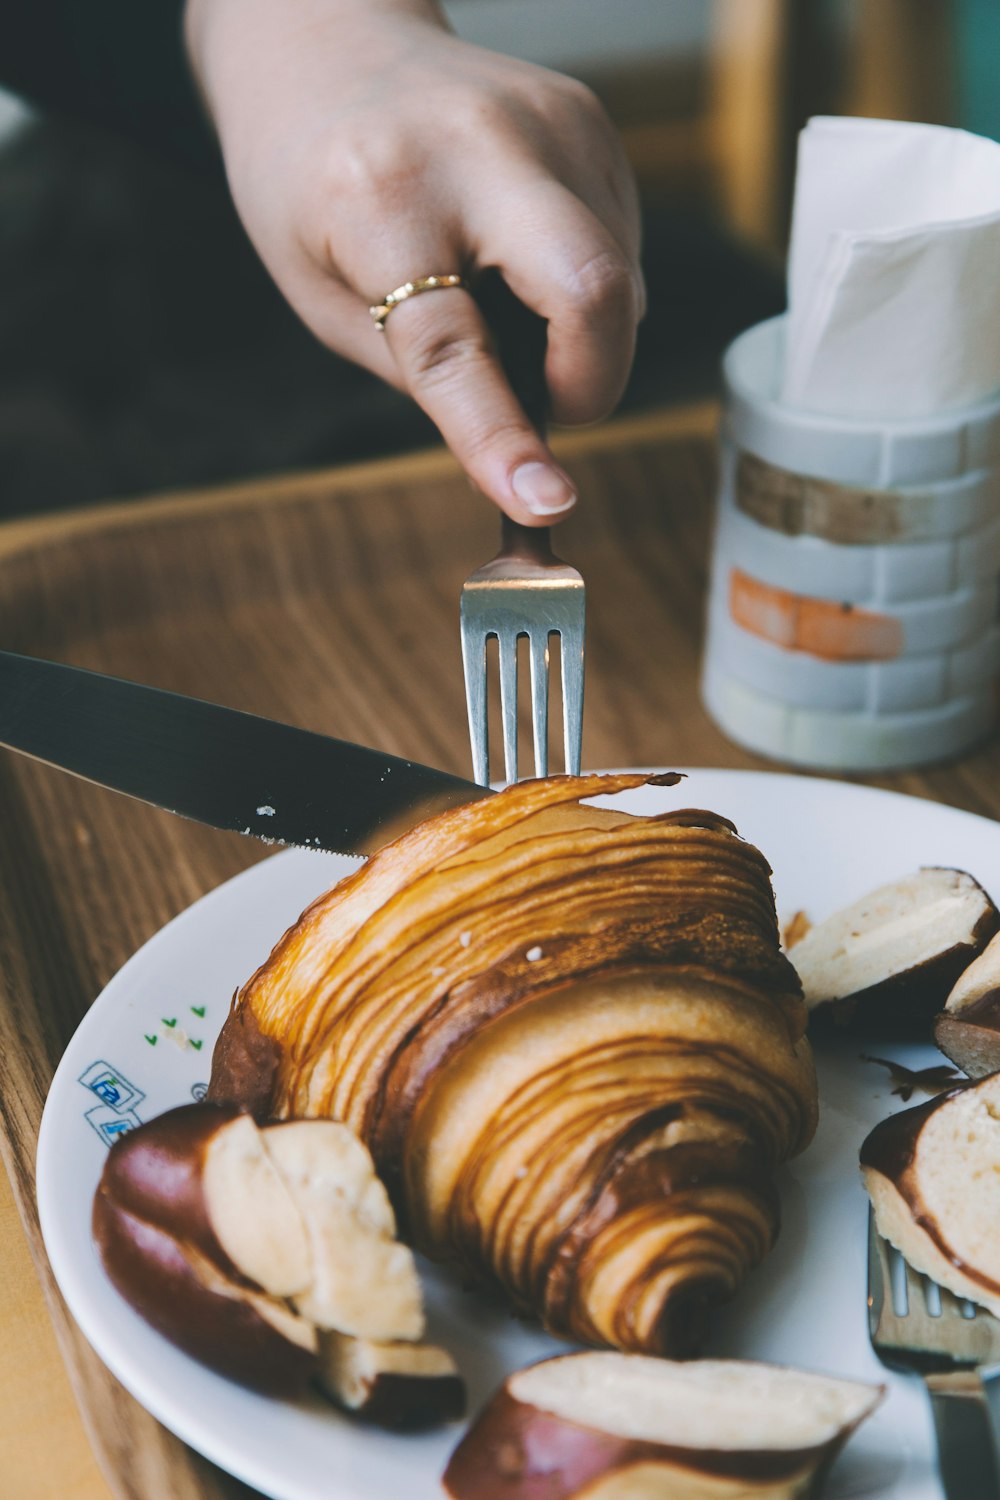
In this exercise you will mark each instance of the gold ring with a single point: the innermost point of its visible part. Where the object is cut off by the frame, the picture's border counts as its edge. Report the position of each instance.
(381, 310)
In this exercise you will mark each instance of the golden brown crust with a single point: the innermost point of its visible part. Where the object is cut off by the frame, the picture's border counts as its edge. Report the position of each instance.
(246, 1061)
(683, 940)
(506, 1004)
(690, 1176)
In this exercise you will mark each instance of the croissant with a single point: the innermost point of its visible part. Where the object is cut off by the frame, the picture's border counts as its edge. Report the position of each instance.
(570, 1040)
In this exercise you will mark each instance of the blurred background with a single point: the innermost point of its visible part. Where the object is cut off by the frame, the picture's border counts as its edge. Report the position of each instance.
(143, 348)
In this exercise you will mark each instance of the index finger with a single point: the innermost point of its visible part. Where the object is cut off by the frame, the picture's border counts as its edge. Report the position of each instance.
(563, 262)
(445, 353)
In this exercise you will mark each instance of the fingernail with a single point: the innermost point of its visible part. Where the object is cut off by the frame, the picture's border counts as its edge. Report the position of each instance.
(543, 489)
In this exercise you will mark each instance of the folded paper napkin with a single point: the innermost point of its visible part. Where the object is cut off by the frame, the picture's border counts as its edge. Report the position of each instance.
(894, 270)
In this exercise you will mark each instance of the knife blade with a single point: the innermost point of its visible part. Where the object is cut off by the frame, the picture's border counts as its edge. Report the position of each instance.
(216, 765)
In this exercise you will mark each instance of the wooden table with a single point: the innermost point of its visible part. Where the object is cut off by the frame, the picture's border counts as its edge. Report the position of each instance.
(328, 600)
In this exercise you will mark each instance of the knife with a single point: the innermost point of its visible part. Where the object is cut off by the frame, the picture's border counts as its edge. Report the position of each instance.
(217, 765)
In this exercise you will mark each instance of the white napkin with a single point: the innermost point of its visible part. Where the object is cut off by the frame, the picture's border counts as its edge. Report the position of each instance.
(894, 270)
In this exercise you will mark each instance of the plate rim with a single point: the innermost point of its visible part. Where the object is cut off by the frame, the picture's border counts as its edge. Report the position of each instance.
(191, 1427)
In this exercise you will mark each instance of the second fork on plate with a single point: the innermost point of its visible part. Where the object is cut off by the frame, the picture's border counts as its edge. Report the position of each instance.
(921, 1328)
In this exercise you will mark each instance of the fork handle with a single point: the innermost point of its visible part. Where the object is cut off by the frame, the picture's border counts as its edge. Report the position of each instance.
(967, 1455)
(525, 543)
(989, 1376)
(521, 339)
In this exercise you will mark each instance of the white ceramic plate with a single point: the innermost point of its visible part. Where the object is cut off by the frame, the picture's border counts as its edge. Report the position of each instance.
(146, 1045)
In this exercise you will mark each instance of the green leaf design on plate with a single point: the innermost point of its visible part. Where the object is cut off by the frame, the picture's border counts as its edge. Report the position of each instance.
(169, 1023)
(152, 1040)
(196, 1045)
(198, 1010)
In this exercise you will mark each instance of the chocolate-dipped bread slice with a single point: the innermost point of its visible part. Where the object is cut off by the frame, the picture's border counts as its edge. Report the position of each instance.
(886, 962)
(270, 1255)
(968, 1029)
(933, 1175)
(627, 1427)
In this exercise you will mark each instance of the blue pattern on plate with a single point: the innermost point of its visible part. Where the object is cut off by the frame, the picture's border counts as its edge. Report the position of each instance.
(116, 1112)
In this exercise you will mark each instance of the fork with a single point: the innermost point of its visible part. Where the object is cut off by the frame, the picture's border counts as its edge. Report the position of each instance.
(921, 1328)
(525, 591)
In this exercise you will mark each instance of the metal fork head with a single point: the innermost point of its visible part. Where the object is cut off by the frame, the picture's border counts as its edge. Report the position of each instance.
(533, 597)
(921, 1328)
(918, 1326)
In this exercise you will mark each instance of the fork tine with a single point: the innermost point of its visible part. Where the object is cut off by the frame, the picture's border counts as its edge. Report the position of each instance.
(508, 701)
(474, 665)
(916, 1293)
(934, 1329)
(571, 659)
(539, 646)
(879, 1278)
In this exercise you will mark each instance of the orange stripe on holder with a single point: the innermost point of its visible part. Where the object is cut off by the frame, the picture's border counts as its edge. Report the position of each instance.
(821, 627)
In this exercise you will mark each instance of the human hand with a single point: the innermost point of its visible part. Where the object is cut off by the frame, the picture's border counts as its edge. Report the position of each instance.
(367, 146)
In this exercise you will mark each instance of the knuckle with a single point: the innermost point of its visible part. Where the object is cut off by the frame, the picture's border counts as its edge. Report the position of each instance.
(603, 284)
(578, 114)
(368, 168)
(494, 434)
(583, 99)
(474, 113)
(440, 356)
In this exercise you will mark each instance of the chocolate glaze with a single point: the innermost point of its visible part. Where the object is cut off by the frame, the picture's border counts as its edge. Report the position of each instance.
(516, 1449)
(149, 1267)
(901, 1007)
(407, 1403)
(696, 817)
(904, 1005)
(245, 1064)
(549, 1284)
(558, 1272)
(643, 1181)
(984, 1011)
(155, 1173)
(890, 1149)
(689, 939)
(905, 1081)
(975, 1048)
